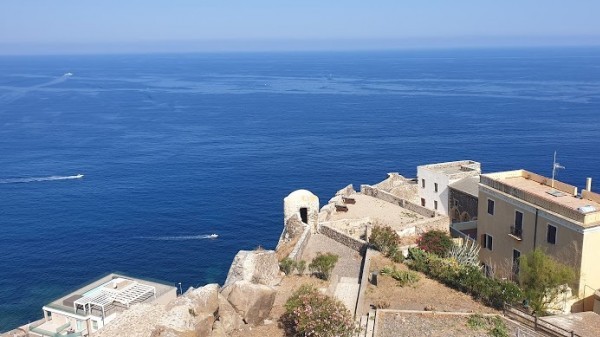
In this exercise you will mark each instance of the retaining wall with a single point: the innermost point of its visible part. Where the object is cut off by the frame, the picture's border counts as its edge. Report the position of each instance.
(300, 245)
(386, 196)
(355, 244)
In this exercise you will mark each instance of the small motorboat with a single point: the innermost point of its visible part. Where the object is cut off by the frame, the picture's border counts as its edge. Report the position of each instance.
(79, 176)
(213, 236)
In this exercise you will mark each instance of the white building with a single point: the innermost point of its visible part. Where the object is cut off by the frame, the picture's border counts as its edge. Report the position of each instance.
(434, 180)
(88, 309)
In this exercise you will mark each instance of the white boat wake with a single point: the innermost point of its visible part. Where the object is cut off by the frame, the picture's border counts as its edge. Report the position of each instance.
(180, 237)
(37, 179)
(18, 93)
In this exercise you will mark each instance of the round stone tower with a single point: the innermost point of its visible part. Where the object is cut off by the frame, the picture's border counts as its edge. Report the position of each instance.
(305, 205)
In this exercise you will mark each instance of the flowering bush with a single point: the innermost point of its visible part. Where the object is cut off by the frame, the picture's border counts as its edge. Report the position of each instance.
(308, 312)
(436, 242)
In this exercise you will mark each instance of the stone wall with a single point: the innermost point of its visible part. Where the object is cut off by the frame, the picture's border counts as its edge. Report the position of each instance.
(300, 245)
(355, 244)
(440, 222)
(364, 281)
(385, 196)
(463, 206)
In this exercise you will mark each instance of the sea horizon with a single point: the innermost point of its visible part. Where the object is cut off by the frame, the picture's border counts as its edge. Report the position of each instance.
(174, 147)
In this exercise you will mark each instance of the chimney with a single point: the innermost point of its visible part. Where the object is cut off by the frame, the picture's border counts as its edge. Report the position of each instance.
(588, 184)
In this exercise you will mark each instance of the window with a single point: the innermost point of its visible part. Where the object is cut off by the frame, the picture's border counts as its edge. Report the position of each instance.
(94, 325)
(423, 202)
(435, 187)
(515, 266)
(487, 241)
(488, 271)
(517, 229)
(422, 183)
(551, 236)
(490, 206)
(455, 203)
(435, 204)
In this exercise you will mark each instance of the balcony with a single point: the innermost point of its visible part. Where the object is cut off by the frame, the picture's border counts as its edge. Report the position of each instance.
(516, 232)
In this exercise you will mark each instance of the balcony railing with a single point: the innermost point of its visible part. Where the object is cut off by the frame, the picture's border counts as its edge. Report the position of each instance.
(517, 232)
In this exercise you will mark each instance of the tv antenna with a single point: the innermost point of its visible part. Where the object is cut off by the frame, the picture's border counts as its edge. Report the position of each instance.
(555, 167)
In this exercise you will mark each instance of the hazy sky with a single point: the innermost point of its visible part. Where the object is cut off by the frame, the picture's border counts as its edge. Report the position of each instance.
(52, 26)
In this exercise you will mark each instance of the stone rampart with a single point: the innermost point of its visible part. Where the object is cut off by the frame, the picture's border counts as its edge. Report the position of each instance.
(300, 245)
(364, 281)
(346, 240)
(440, 222)
(385, 196)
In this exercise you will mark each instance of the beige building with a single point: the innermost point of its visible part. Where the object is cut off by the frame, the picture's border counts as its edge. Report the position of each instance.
(520, 211)
(89, 309)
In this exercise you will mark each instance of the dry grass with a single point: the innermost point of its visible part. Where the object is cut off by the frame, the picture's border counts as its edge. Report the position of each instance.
(426, 293)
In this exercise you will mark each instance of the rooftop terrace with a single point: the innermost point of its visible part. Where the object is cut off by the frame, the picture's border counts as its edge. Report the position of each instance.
(556, 197)
(113, 292)
(455, 169)
(377, 209)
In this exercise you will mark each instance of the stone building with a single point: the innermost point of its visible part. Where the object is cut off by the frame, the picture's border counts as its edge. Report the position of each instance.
(462, 199)
(434, 180)
(303, 204)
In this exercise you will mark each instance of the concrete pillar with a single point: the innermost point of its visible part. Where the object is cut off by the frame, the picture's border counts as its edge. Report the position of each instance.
(588, 184)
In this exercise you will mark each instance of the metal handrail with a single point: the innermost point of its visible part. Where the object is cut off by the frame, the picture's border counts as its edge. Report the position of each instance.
(517, 232)
(541, 324)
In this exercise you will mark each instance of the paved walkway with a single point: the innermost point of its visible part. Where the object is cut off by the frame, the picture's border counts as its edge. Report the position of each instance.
(347, 292)
(349, 260)
(347, 267)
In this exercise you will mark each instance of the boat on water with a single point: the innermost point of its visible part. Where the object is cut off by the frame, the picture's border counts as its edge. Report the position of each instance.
(68, 74)
(79, 176)
(213, 236)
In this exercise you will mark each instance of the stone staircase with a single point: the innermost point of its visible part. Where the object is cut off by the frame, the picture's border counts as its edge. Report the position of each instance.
(367, 324)
(347, 292)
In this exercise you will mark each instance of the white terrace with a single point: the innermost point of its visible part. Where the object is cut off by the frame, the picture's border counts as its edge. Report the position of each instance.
(118, 291)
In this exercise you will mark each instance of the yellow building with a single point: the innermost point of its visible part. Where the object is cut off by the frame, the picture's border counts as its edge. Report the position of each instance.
(519, 211)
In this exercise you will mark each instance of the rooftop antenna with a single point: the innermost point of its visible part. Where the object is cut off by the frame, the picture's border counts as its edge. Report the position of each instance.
(555, 166)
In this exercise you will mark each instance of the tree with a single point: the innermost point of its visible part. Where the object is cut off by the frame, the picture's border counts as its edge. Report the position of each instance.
(308, 312)
(542, 279)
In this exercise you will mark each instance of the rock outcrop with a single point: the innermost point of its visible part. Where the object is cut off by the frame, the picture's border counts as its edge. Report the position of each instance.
(229, 319)
(190, 315)
(257, 266)
(208, 311)
(252, 301)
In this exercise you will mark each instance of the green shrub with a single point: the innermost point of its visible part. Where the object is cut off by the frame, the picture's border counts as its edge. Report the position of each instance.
(466, 278)
(436, 242)
(499, 329)
(494, 325)
(476, 321)
(395, 254)
(301, 267)
(308, 312)
(286, 265)
(404, 277)
(322, 265)
(384, 238)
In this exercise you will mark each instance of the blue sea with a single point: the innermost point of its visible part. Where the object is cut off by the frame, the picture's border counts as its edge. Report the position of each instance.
(176, 147)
